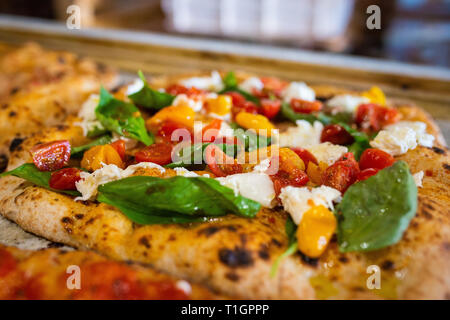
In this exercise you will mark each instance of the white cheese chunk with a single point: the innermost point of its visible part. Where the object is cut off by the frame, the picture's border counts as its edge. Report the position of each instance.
(89, 182)
(87, 114)
(262, 166)
(346, 102)
(327, 152)
(298, 90)
(418, 177)
(398, 138)
(225, 130)
(137, 85)
(129, 143)
(253, 185)
(195, 104)
(213, 82)
(303, 135)
(296, 201)
(251, 84)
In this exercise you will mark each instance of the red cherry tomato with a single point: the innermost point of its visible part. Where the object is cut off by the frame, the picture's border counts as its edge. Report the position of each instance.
(304, 106)
(211, 131)
(295, 178)
(7, 262)
(366, 173)
(270, 108)
(342, 174)
(219, 163)
(176, 89)
(375, 158)
(373, 117)
(336, 134)
(65, 179)
(168, 127)
(159, 153)
(119, 146)
(273, 85)
(240, 104)
(305, 155)
(51, 156)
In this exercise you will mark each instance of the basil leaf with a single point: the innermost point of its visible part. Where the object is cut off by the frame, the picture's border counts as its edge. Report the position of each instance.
(77, 151)
(180, 198)
(29, 172)
(375, 212)
(150, 98)
(290, 228)
(251, 140)
(361, 142)
(230, 84)
(121, 117)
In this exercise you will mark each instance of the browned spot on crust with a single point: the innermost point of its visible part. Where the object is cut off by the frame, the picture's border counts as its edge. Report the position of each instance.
(67, 220)
(313, 262)
(276, 242)
(263, 252)
(12, 114)
(79, 216)
(232, 276)
(438, 150)
(387, 265)
(237, 257)
(210, 230)
(172, 238)
(446, 166)
(144, 241)
(90, 221)
(15, 143)
(343, 259)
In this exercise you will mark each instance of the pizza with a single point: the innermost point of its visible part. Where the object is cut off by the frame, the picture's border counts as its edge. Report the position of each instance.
(255, 187)
(51, 275)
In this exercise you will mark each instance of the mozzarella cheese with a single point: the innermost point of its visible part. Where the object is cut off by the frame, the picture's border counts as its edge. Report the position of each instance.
(347, 102)
(398, 138)
(129, 143)
(251, 84)
(418, 177)
(225, 130)
(87, 114)
(327, 152)
(298, 90)
(137, 85)
(89, 182)
(262, 166)
(303, 135)
(184, 100)
(296, 201)
(213, 82)
(253, 185)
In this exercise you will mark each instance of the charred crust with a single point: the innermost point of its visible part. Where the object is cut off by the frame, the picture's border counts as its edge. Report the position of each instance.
(263, 252)
(276, 242)
(438, 150)
(67, 220)
(144, 241)
(15, 144)
(387, 265)
(14, 90)
(343, 259)
(313, 262)
(79, 216)
(235, 258)
(232, 276)
(171, 238)
(3, 162)
(211, 230)
(446, 166)
(12, 114)
(90, 221)
(55, 245)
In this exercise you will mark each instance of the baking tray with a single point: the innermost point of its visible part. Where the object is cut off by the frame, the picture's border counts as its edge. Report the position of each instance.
(428, 87)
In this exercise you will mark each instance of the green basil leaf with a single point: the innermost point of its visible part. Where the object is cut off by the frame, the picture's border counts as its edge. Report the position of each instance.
(251, 140)
(291, 229)
(175, 197)
(29, 172)
(150, 98)
(77, 151)
(375, 212)
(230, 84)
(121, 117)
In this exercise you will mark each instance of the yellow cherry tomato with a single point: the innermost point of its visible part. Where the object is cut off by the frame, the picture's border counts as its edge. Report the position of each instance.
(375, 95)
(254, 121)
(220, 105)
(95, 156)
(315, 172)
(315, 230)
(289, 160)
(183, 115)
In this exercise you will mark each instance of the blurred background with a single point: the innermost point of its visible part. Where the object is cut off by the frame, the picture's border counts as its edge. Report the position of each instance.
(415, 31)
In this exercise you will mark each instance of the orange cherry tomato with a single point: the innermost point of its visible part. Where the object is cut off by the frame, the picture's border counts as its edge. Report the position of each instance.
(176, 89)
(305, 155)
(375, 158)
(7, 262)
(51, 156)
(211, 131)
(304, 106)
(219, 163)
(65, 179)
(119, 146)
(336, 134)
(270, 108)
(159, 153)
(366, 173)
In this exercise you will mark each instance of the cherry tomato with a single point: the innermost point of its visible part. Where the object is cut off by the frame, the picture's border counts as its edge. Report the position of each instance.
(7, 262)
(305, 155)
(211, 131)
(176, 89)
(240, 104)
(65, 179)
(270, 108)
(304, 106)
(219, 163)
(373, 117)
(119, 146)
(342, 174)
(366, 173)
(51, 156)
(159, 153)
(336, 134)
(168, 127)
(375, 158)
(295, 178)
(274, 85)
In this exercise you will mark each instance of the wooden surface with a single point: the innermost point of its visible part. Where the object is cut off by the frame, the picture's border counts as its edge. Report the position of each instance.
(428, 87)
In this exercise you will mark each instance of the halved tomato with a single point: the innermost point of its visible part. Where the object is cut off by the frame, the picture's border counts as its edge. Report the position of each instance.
(65, 179)
(159, 153)
(51, 156)
(119, 146)
(305, 106)
(375, 158)
(219, 163)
